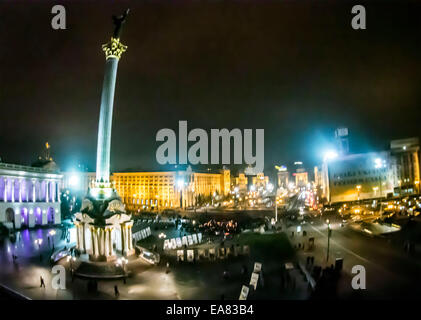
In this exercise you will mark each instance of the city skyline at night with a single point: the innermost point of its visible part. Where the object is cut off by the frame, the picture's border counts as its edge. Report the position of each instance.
(297, 82)
(212, 155)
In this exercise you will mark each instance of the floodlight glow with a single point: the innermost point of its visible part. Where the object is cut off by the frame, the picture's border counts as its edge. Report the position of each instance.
(329, 155)
(378, 163)
(180, 183)
(74, 181)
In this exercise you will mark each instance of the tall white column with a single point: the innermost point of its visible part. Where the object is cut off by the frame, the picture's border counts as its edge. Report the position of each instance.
(126, 244)
(53, 191)
(78, 244)
(47, 187)
(101, 241)
(130, 238)
(34, 199)
(13, 190)
(106, 242)
(110, 242)
(84, 237)
(123, 240)
(94, 242)
(5, 190)
(20, 190)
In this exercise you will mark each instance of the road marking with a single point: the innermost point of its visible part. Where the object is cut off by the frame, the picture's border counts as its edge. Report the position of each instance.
(342, 247)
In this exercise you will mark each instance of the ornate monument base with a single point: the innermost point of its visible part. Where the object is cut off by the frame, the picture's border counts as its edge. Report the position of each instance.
(103, 229)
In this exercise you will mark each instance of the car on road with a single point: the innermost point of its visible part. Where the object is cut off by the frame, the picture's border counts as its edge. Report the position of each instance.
(60, 254)
(151, 257)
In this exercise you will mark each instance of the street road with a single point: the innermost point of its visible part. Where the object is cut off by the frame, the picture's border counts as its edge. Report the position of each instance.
(390, 272)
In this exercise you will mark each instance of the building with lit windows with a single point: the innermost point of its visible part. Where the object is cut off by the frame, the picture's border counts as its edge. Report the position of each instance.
(359, 176)
(260, 180)
(241, 182)
(371, 175)
(283, 176)
(301, 178)
(168, 189)
(405, 165)
(29, 196)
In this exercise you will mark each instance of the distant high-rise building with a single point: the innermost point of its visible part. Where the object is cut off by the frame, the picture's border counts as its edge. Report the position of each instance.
(283, 176)
(341, 137)
(300, 174)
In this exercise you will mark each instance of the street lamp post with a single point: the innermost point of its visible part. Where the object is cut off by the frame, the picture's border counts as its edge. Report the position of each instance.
(52, 234)
(328, 239)
(276, 209)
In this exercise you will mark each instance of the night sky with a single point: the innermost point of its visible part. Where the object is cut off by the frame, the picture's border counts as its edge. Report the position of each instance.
(296, 69)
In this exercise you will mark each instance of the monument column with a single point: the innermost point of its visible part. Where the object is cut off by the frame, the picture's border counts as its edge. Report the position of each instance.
(101, 195)
(113, 51)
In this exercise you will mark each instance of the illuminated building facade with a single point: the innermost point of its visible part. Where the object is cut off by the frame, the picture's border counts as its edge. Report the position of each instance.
(168, 189)
(405, 165)
(283, 177)
(359, 176)
(260, 180)
(301, 178)
(29, 196)
(241, 182)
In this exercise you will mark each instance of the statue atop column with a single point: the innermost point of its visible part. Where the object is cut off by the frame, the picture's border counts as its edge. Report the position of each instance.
(118, 23)
(115, 48)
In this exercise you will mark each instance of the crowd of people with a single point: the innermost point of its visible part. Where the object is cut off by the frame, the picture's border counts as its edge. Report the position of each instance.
(213, 227)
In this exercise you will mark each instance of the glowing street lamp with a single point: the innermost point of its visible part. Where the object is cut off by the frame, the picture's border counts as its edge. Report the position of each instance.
(329, 232)
(38, 242)
(358, 191)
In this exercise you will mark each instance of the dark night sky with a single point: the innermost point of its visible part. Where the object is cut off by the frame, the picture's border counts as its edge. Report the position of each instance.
(296, 69)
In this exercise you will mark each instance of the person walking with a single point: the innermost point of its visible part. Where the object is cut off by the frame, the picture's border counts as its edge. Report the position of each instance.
(116, 292)
(42, 285)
